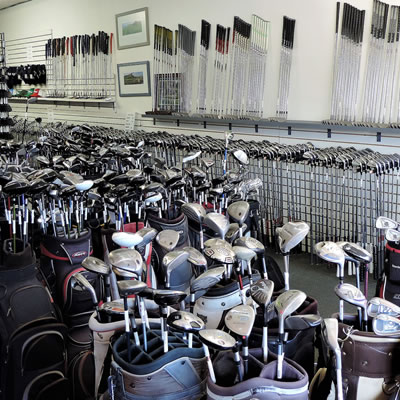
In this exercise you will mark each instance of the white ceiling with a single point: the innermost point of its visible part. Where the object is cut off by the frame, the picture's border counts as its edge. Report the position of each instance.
(10, 3)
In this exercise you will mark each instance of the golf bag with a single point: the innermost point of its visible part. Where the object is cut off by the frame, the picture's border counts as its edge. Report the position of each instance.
(61, 258)
(213, 306)
(179, 374)
(388, 285)
(181, 276)
(300, 344)
(369, 365)
(32, 340)
(261, 382)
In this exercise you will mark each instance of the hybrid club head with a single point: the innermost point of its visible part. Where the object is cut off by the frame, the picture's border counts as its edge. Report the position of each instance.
(239, 211)
(250, 243)
(168, 239)
(127, 239)
(392, 235)
(386, 223)
(207, 279)
(217, 339)
(291, 234)
(386, 325)
(194, 212)
(243, 253)
(171, 261)
(222, 255)
(95, 265)
(331, 252)
(196, 257)
(184, 321)
(302, 322)
(240, 320)
(218, 223)
(378, 306)
(126, 259)
(261, 291)
(355, 251)
(351, 295)
(130, 287)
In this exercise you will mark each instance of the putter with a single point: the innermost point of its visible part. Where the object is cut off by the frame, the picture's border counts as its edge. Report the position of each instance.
(330, 330)
(289, 236)
(240, 321)
(286, 303)
(261, 292)
(219, 340)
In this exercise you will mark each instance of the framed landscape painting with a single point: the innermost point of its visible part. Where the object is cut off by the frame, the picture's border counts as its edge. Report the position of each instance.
(134, 79)
(133, 28)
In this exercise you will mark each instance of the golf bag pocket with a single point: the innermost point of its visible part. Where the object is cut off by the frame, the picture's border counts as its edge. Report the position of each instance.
(389, 290)
(261, 382)
(178, 374)
(35, 358)
(369, 363)
(82, 376)
(392, 262)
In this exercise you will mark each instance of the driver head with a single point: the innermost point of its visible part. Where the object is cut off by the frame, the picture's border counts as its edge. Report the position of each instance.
(291, 234)
(184, 321)
(126, 259)
(240, 320)
(95, 265)
(173, 260)
(261, 291)
(287, 303)
(194, 212)
(239, 211)
(168, 239)
(130, 287)
(217, 339)
(195, 257)
(127, 239)
(207, 279)
(250, 243)
(218, 223)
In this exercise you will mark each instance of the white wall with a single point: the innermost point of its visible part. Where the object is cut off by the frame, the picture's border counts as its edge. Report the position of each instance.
(312, 58)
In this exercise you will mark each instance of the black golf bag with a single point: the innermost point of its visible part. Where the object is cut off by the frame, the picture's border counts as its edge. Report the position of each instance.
(261, 382)
(180, 277)
(32, 340)
(388, 285)
(179, 374)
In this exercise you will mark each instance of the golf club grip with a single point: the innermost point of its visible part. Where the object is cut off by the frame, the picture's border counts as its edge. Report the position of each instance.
(337, 16)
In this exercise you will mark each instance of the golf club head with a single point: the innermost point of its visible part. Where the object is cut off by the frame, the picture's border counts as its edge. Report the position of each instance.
(184, 321)
(261, 291)
(386, 223)
(173, 260)
(153, 198)
(241, 157)
(147, 234)
(386, 325)
(291, 234)
(223, 255)
(356, 252)
(378, 306)
(127, 239)
(330, 332)
(85, 284)
(239, 211)
(218, 223)
(194, 212)
(191, 156)
(84, 186)
(287, 303)
(130, 287)
(240, 320)
(351, 295)
(331, 252)
(195, 257)
(250, 243)
(168, 239)
(207, 279)
(234, 231)
(165, 297)
(125, 274)
(217, 339)
(115, 307)
(128, 260)
(302, 322)
(95, 265)
(392, 235)
(243, 253)
(217, 242)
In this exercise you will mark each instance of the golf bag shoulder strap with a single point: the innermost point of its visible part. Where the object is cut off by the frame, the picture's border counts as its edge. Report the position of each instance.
(390, 248)
(73, 250)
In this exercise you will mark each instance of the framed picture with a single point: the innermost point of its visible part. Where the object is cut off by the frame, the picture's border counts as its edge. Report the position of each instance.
(134, 79)
(133, 28)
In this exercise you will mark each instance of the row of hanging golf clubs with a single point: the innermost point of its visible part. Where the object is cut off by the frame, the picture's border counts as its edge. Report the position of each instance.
(80, 66)
(239, 69)
(380, 99)
(338, 192)
(5, 108)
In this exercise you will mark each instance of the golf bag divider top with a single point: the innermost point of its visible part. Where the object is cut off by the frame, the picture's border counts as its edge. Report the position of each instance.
(32, 340)
(261, 383)
(61, 259)
(178, 374)
(388, 285)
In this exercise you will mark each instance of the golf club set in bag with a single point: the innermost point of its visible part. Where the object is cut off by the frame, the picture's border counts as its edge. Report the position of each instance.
(137, 263)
